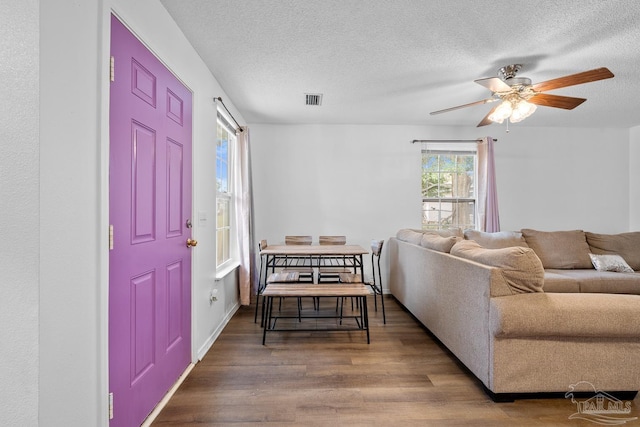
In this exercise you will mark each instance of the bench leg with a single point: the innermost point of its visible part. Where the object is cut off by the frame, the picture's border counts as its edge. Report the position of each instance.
(260, 289)
(365, 313)
(267, 320)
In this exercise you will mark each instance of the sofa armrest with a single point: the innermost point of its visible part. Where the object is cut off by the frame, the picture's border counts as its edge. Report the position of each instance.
(565, 315)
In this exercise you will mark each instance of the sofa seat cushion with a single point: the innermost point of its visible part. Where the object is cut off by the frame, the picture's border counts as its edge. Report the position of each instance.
(565, 315)
(497, 240)
(555, 281)
(627, 245)
(592, 281)
(520, 267)
(559, 249)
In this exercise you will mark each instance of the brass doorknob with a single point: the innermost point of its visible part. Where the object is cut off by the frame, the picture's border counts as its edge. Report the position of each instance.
(191, 243)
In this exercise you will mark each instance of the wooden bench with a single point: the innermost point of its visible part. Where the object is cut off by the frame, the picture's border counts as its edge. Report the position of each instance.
(299, 290)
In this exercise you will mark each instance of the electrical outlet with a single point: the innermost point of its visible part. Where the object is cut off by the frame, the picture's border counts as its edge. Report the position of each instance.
(213, 296)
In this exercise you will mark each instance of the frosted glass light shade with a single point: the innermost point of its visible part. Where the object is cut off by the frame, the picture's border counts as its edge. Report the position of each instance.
(502, 112)
(523, 110)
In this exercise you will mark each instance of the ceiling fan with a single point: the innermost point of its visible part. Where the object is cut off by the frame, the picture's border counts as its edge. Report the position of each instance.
(520, 97)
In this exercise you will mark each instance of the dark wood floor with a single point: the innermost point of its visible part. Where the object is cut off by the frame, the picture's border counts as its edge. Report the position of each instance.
(403, 378)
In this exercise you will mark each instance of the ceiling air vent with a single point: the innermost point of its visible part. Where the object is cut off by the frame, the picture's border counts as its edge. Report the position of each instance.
(313, 98)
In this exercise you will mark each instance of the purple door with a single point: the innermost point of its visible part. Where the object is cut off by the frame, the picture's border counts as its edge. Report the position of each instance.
(150, 210)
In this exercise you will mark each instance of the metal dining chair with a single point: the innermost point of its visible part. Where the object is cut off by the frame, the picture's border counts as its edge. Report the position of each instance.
(298, 240)
(375, 283)
(329, 268)
(332, 240)
(281, 275)
(302, 265)
(262, 276)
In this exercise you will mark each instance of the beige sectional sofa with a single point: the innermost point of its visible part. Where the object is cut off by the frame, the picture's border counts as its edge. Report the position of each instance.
(526, 311)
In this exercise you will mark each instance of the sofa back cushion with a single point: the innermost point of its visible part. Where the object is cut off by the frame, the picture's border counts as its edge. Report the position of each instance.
(559, 249)
(449, 232)
(415, 236)
(520, 267)
(627, 245)
(438, 243)
(410, 236)
(498, 240)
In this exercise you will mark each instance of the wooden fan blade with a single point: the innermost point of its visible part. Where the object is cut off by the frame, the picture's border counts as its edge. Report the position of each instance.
(471, 104)
(547, 100)
(494, 84)
(574, 79)
(485, 121)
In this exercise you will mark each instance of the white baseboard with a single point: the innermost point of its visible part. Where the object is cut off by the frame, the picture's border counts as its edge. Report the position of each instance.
(214, 336)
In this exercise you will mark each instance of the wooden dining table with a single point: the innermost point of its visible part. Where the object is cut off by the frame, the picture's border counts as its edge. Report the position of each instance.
(315, 254)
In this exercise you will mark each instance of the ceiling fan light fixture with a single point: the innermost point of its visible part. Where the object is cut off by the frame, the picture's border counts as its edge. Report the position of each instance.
(502, 112)
(514, 93)
(523, 110)
(509, 71)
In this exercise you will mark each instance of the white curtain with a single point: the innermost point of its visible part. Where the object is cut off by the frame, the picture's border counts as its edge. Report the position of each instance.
(244, 216)
(487, 214)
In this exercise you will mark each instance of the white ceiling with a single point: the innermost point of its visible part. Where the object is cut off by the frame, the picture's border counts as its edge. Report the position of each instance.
(394, 61)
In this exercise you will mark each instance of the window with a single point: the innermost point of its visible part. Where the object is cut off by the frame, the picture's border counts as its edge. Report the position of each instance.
(448, 189)
(225, 143)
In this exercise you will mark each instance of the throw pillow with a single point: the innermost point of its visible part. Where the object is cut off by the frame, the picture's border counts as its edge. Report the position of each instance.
(438, 243)
(610, 263)
(498, 240)
(627, 245)
(559, 249)
(520, 267)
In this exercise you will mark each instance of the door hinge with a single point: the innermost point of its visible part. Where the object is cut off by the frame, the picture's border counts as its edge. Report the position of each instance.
(110, 237)
(110, 406)
(112, 69)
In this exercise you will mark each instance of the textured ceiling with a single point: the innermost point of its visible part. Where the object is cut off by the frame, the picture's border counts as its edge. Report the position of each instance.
(394, 61)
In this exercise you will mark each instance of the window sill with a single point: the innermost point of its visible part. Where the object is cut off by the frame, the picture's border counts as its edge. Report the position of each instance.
(225, 270)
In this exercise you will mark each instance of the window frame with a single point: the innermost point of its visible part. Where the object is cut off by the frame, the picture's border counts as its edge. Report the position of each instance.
(230, 256)
(455, 150)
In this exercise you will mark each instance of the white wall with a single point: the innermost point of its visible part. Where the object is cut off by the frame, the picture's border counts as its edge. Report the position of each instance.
(364, 181)
(634, 179)
(19, 221)
(71, 274)
(74, 54)
(559, 178)
(345, 180)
